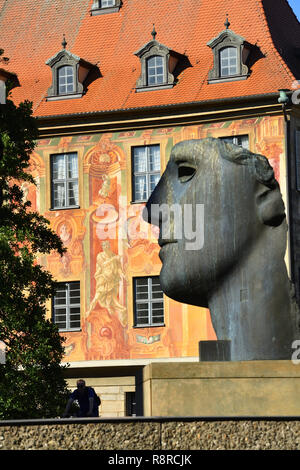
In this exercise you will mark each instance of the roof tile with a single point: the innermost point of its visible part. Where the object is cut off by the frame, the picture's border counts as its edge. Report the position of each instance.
(32, 31)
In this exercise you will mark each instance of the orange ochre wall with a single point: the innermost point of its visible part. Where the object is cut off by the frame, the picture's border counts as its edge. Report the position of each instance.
(107, 330)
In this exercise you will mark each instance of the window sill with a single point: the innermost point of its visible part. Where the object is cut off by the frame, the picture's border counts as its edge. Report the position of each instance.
(69, 330)
(104, 11)
(64, 97)
(233, 78)
(139, 202)
(64, 208)
(154, 88)
(158, 325)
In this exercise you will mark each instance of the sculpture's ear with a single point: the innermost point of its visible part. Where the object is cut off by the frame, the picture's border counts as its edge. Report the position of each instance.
(270, 206)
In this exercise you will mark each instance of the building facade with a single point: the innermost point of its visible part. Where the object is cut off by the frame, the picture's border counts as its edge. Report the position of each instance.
(115, 84)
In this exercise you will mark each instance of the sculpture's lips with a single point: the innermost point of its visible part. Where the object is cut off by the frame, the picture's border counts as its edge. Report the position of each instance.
(162, 242)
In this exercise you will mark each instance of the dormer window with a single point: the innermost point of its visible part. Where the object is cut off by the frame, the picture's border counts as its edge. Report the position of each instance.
(230, 52)
(68, 75)
(158, 63)
(102, 7)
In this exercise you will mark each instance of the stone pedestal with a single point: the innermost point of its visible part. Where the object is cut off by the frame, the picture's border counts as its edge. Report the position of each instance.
(216, 389)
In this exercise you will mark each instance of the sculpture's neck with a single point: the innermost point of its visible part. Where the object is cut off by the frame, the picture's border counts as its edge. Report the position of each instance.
(252, 307)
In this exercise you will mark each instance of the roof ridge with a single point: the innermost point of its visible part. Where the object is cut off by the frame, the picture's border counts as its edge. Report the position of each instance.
(265, 22)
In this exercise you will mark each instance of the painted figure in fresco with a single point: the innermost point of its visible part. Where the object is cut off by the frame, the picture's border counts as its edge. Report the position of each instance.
(65, 233)
(239, 272)
(108, 276)
(105, 188)
(25, 189)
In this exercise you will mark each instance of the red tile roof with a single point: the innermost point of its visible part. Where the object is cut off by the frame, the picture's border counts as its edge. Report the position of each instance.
(32, 31)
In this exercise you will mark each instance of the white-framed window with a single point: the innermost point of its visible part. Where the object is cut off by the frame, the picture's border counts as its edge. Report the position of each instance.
(100, 7)
(228, 61)
(106, 3)
(66, 306)
(155, 70)
(149, 302)
(65, 80)
(64, 180)
(241, 140)
(146, 170)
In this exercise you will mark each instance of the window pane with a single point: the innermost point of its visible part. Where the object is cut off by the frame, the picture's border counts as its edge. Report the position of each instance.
(228, 61)
(74, 287)
(60, 315)
(64, 180)
(154, 179)
(74, 317)
(157, 307)
(156, 295)
(72, 165)
(158, 320)
(151, 62)
(146, 171)
(142, 294)
(149, 307)
(106, 3)
(154, 153)
(140, 188)
(73, 194)
(58, 167)
(65, 77)
(155, 70)
(66, 306)
(140, 159)
(242, 140)
(59, 301)
(59, 195)
(74, 293)
(151, 80)
(143, 321)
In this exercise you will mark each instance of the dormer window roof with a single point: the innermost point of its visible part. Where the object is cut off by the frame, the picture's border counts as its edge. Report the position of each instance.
(157, 65)
(68, 75)
(230, 53)
(102, 7)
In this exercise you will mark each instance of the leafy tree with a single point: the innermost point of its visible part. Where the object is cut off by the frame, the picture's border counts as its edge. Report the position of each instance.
(31, 380)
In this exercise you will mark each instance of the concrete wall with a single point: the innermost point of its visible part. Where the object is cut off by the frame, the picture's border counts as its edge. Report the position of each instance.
(256, 388)
(152, 434)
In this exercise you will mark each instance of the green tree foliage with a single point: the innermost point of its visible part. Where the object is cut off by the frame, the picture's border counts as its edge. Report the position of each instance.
(31, 380)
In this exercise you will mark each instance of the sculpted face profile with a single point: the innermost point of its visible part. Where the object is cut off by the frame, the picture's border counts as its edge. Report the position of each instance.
(238, 271)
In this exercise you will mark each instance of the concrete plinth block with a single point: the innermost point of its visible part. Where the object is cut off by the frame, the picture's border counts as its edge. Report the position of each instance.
(222, 389)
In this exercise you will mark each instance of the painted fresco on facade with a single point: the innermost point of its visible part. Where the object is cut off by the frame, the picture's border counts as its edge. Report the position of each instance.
(108, 243)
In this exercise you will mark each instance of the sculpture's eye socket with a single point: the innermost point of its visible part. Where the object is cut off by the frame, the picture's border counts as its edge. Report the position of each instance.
(185, 172)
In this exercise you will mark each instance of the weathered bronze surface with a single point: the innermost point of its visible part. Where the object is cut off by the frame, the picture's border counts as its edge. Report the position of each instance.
(239, 272)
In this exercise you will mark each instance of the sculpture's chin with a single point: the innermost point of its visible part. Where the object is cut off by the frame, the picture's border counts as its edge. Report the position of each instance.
(172, 287)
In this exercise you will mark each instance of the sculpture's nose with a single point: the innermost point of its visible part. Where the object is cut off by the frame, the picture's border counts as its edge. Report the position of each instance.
(151, 213)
